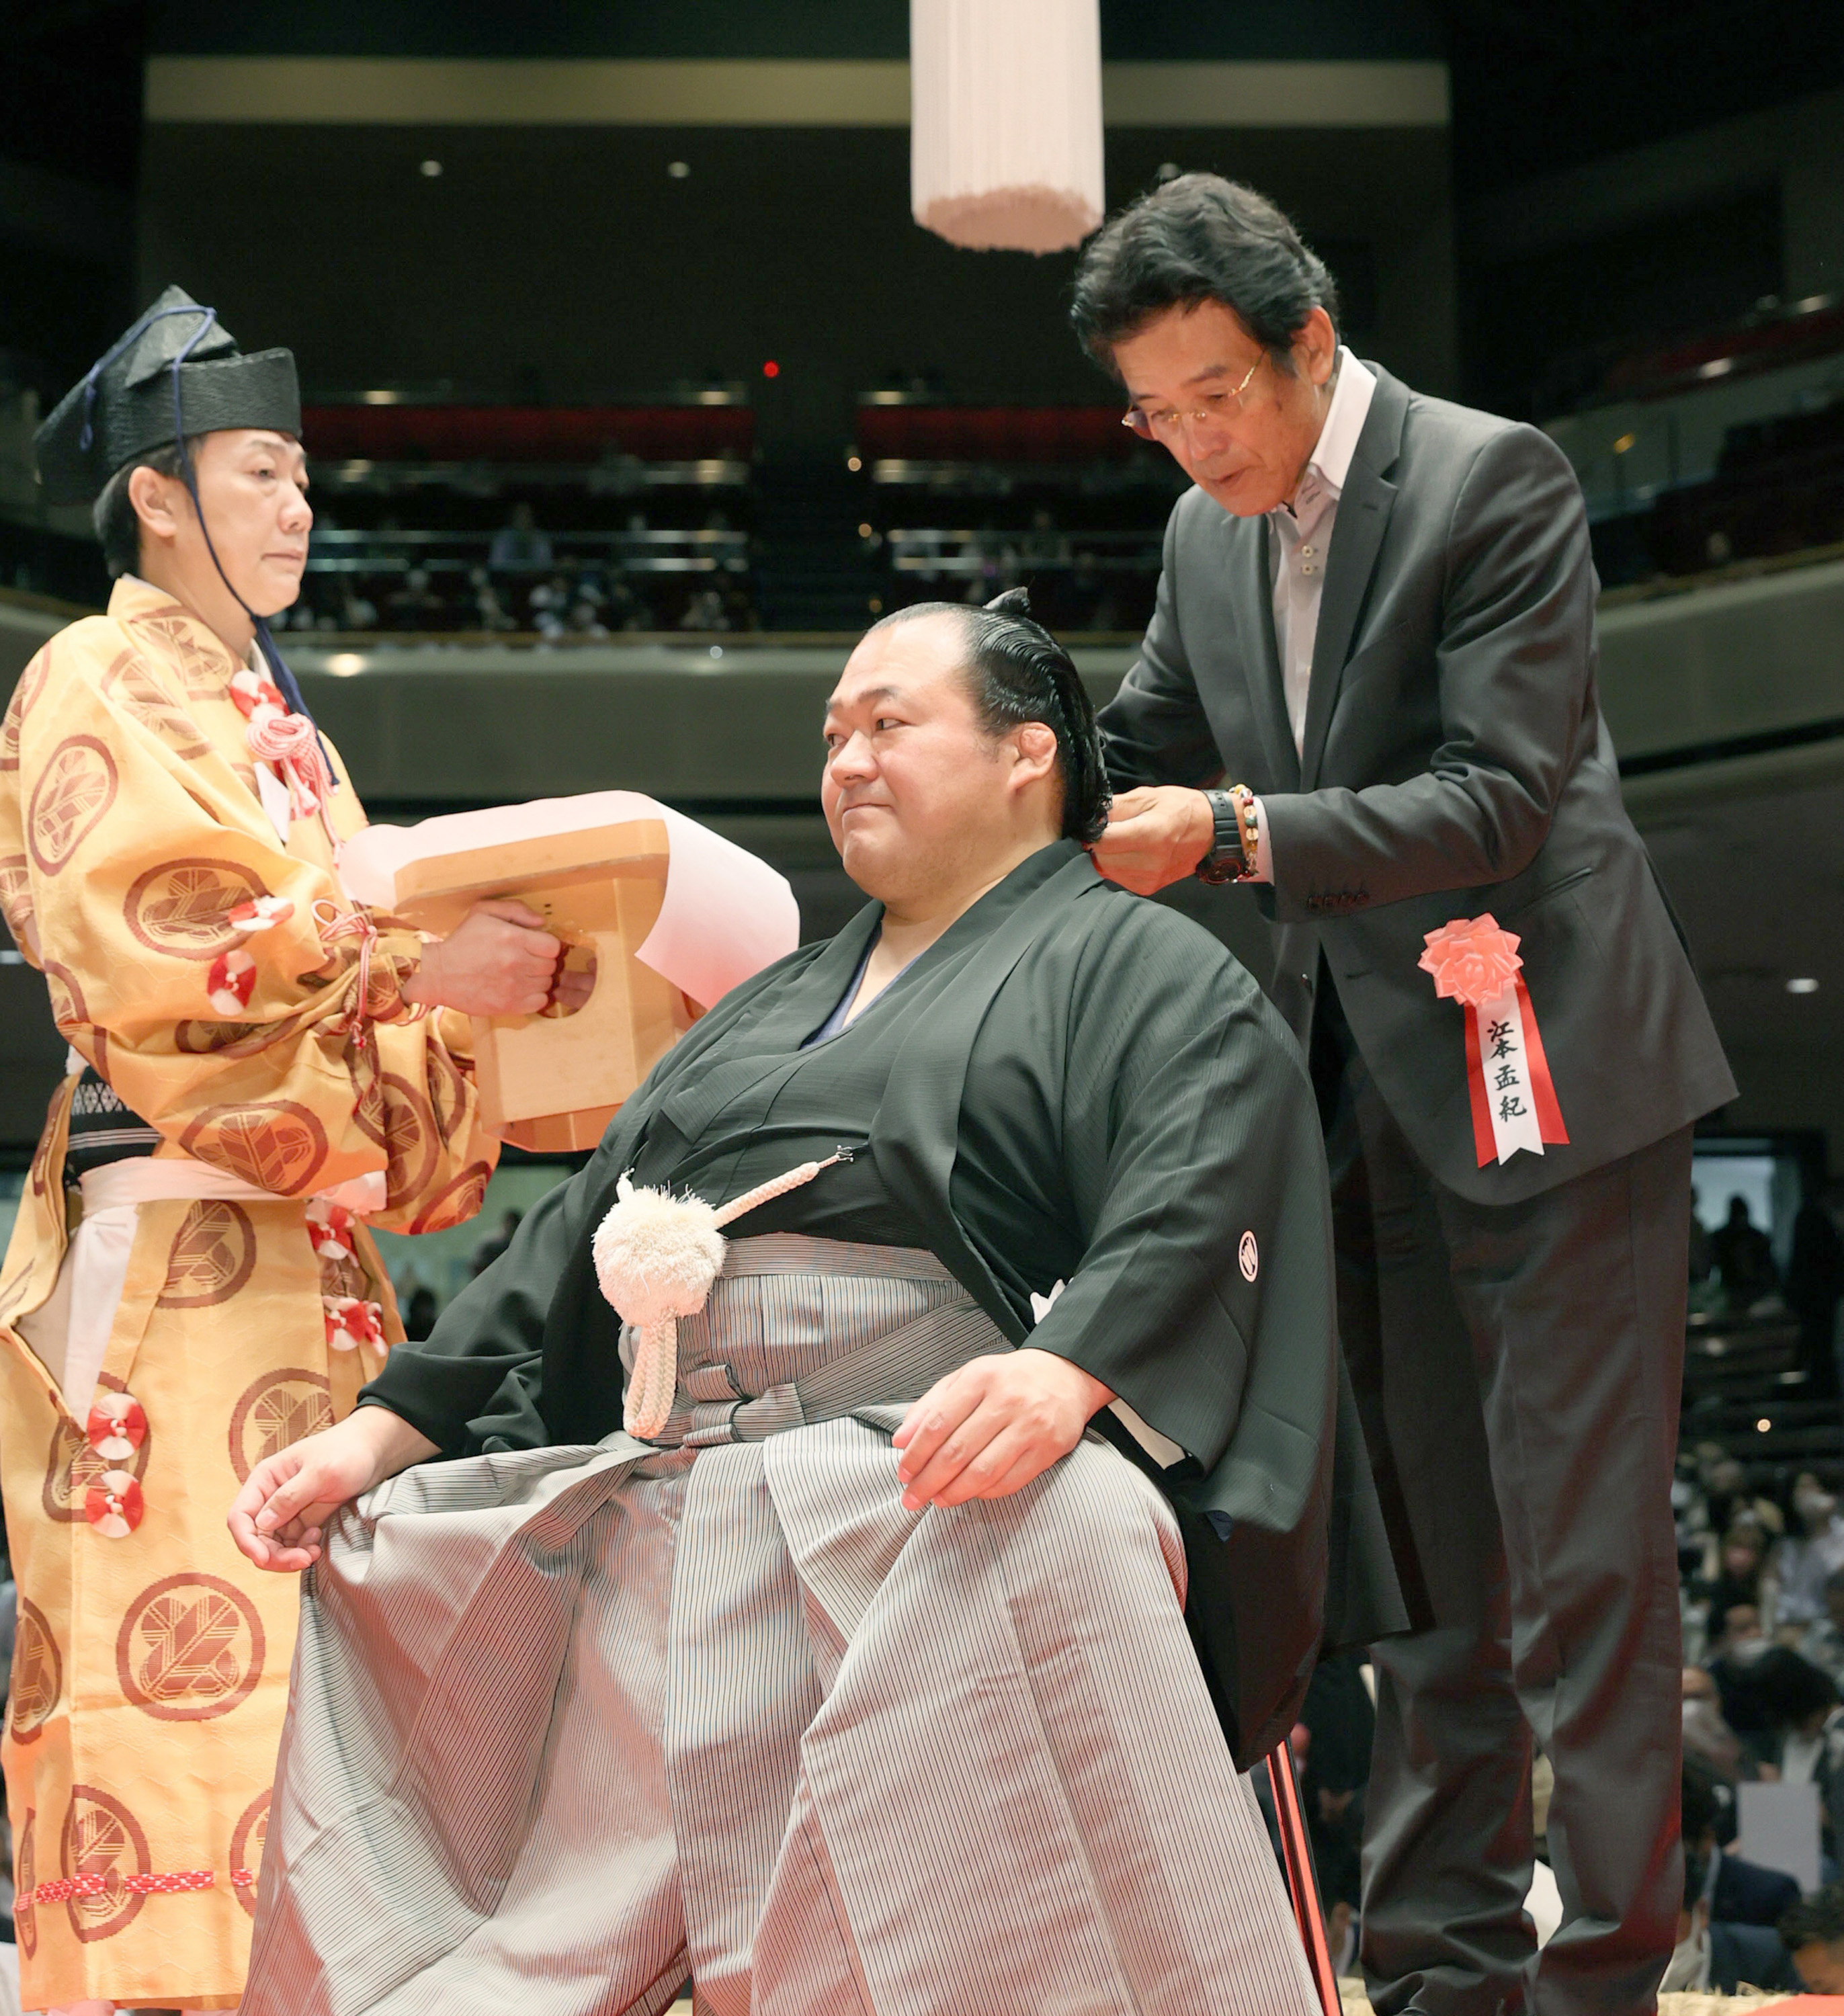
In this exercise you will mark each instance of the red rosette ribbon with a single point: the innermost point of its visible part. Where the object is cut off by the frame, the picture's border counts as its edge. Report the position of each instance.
(116, 1427)
(229, 982)
(1472, 961)
(330, 1227)
(350, 1323)
(113, 1504)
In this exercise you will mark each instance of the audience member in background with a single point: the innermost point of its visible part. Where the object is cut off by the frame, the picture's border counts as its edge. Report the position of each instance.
(494, 1244)
(1803, 1562)
(489, 612)
(1822, 1642)
(415, 605)
(1814, 1285)
(418, 1314)
(518, 547)
(1739, 1581)
(1744, 1257)
(1716, 1953)
(1702, 1257)
(1805, 1724)
(1737, 1892)
(1706, 1734)
(1812, 1932)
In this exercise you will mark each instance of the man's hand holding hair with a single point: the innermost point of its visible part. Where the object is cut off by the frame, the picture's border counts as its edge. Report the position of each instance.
(1156, 835)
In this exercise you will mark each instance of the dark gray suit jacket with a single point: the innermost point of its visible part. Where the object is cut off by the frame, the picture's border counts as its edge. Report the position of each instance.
(1455, 762)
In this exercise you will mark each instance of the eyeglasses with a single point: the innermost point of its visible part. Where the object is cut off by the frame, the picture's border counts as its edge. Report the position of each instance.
(1217, 407)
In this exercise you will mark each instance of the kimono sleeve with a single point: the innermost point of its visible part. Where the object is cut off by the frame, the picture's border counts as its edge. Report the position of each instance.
(191, 959)
(476, 1384)
(1192, 1148)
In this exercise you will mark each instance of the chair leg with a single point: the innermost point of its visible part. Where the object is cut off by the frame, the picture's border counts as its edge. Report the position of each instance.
(1302, 1885)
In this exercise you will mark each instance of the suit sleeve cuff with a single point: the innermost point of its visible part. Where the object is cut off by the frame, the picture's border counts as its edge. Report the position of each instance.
(1264, 859)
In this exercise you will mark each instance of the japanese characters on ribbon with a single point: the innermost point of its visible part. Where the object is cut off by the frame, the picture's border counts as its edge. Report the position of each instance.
(1514, 1099)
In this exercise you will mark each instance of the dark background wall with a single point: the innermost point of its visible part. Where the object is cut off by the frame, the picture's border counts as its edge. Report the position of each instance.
(565, 264)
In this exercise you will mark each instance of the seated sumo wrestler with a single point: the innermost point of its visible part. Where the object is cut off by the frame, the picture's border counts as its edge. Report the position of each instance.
(828, 1724)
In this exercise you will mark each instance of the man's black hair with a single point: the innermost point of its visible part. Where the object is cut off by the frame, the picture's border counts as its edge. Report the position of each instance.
(1200, 238)
(1817, 1921)
(1700, 1806)
(1019, 672)
(118, 522)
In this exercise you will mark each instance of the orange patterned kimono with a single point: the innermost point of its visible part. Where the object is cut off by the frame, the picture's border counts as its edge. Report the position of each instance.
(211, 974)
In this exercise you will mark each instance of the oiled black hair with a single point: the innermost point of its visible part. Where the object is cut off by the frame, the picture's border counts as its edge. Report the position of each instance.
(1200, 238)
(1017, 672)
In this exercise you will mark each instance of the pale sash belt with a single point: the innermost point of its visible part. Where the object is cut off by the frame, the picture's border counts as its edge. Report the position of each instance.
(70, 1329)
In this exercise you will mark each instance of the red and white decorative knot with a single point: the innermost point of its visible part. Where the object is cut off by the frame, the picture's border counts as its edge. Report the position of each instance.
(261, 913)
(337, 927)
(330, 1227)
(229, 982)
(288, 742)
(350, 1323)
(1475, 962)
(116, 1427)
(113, 1504)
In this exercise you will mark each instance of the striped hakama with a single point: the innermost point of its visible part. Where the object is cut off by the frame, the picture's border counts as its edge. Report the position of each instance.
(570, 1724)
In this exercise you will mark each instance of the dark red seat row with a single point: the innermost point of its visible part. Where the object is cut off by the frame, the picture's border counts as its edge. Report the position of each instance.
(528, 433)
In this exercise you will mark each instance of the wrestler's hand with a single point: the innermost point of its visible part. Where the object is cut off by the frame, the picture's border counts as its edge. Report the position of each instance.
(985, 1431)
(277, 1517)
(498, 960)
(1155, 835)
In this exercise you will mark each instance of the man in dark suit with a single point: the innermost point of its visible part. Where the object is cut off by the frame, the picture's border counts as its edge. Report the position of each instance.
(1375, 633)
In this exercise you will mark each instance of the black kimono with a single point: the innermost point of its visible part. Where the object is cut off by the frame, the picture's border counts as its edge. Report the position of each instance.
(1071, 1086)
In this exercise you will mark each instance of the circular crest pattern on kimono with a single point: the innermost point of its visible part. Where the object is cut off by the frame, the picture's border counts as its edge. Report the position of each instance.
(77, 787)
(213, 1254)
(247, 1840)
(191, 1647)
(101, 1838)
(25, 1869)
(275, 1144)
(274, 1411)
(31, 683)
(456, 1201)
(38, 1674)
(148, 702)
(182, 907)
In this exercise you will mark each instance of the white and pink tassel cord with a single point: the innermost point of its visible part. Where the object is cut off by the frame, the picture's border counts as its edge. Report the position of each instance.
(656, 1257)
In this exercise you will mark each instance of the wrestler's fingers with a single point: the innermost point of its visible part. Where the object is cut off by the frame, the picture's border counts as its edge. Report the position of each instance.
(939, 1411)
(961, 1448)
(983, 1474)
(296, 1496)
